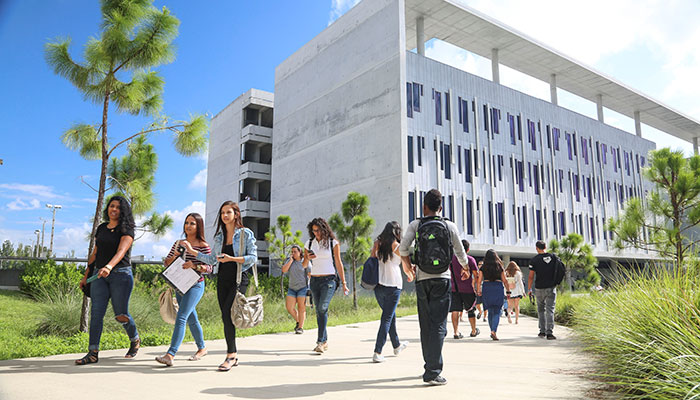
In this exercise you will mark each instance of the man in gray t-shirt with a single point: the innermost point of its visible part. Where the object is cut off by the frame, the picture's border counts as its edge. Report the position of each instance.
(433, 292)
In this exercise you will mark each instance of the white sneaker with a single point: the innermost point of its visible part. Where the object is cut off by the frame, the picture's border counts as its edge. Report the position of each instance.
(401, 347)
(378, 358)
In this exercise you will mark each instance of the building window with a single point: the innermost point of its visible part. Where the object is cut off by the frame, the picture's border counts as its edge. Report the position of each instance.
(568, 145)
(531, 135)
(490, 215)
(604, 150)
(476, 161)
(495, 117)
(410, 154)
(537, 180)
(538, 224)
(463, 106)
(556, 133)
(500, 217)
(438, 151)
(447, 106)
(411, 206)
(511, 128)
(467, 166)
(584, 150)
(438, 108)
(573, 144)
(577, 188)
(562, 224)
(409, 99)
(524, 212)
(486, 118)
(470, 218)
(590, 196)
(451, 205)
(520, 175)
(447, 156)
(529, 173)
(549, 137)
(459, 158)
(500, 168)
(417, 93)
(419, 149)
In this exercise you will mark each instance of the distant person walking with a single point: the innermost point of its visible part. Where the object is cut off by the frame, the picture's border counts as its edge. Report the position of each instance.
(516, 287)
(542, 272)
(226, 255)
(112, 257)
(479, 301)
(298, 286)
(437, 240)
(193, 228)
(492, 278)
(323, 250)
(463, 293)
(388, 289)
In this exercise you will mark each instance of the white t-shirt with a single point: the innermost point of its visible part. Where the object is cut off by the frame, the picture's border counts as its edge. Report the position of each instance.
(323, 263)
(519, 289)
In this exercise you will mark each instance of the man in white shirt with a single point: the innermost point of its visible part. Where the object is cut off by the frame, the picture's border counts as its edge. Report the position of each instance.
(433, 288)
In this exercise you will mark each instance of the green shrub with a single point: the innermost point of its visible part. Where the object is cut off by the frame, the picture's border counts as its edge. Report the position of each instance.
(49, 280)
(149, 274)
(269, 285)
(567, 304)
(645, 332)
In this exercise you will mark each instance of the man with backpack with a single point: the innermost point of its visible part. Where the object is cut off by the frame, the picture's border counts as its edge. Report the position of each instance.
(547, 271)
(436, 241)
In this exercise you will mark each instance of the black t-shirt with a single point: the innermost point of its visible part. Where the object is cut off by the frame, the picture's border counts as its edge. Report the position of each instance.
(107, 241)
(544, 266)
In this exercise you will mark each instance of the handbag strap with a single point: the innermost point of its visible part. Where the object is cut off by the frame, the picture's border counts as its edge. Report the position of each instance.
(239, 274)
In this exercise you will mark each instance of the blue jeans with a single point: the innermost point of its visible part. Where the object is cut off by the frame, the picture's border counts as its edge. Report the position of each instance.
(388, 299)
(492, 294)
(433, 298)
(546, 302)
(117, 286)
(322, 291)
(187, 314)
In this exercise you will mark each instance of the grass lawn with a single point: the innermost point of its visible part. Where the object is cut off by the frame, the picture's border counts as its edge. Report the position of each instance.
(29, 328)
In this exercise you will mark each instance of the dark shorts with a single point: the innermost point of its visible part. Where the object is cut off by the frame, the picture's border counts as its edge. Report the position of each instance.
(462, 301)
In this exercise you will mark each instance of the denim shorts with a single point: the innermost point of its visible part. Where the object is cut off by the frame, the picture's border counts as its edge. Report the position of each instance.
(297, 293)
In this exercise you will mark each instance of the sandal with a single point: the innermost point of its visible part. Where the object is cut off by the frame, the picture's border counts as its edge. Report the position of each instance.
(133, 349)
(224, 368)
(458, 335)
(165, 360)
(90, 358)
(197, 356)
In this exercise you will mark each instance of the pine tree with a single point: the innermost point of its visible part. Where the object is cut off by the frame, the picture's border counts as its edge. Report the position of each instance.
(576, 256)
(116, 70)
(281, 247)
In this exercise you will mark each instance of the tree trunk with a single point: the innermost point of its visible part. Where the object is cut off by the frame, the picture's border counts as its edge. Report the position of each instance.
(569, 280)
(354, 284)
(98, 207)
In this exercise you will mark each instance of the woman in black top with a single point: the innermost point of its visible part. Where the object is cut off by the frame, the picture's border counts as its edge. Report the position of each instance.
(490, 286)
(112, 257)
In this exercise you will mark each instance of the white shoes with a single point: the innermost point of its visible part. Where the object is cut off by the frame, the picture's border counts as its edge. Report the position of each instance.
(378, 358)
(401, 347)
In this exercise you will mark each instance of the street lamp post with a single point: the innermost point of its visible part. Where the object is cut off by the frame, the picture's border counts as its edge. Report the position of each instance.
(43, 225)
(36, 248)
(53, 207)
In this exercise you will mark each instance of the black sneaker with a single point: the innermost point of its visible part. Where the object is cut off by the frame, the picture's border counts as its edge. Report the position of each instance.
(551, 337)
(541, 334)
(437, 381)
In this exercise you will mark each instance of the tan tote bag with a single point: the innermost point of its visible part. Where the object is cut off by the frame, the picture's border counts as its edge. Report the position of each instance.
(168, 306)
(246, 312)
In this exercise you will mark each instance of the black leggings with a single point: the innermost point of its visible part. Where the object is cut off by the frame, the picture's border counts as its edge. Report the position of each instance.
(226, 292)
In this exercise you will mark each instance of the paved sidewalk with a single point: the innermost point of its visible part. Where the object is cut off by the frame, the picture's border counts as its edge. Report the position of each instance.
(282, 366)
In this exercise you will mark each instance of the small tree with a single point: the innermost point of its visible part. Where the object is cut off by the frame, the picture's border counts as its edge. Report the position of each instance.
(577, 256)
(280, 247)
(355, 234)
(135, 37)
(664, 224)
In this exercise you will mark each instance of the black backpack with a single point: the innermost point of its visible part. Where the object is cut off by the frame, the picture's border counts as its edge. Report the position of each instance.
(433, 245)
(559, 270)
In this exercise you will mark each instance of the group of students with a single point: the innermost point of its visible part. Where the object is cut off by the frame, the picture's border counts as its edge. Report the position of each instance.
(317, 268)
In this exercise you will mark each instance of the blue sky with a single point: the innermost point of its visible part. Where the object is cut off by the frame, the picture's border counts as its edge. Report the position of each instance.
(227, 47)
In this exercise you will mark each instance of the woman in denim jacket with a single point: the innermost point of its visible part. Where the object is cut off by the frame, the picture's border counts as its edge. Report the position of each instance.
(224, 257)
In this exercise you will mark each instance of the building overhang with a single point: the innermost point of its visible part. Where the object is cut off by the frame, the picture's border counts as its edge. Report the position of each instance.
(471, 30)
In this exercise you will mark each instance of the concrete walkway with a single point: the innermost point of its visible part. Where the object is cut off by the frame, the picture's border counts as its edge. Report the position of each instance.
(282, 366)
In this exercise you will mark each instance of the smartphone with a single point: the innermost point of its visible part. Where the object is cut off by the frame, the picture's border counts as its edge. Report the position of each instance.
(311, 252)
(220, 256)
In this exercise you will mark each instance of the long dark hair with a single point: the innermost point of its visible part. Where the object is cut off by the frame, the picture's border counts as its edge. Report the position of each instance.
(386, 239)
(126, 218)
(326, 232)
(492, 263)
(200, 225)
(237, 219)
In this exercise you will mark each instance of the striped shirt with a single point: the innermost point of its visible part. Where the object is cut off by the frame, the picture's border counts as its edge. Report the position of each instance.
(189, 257)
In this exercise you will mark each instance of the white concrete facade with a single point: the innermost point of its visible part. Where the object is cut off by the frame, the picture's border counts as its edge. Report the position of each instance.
(345, 119)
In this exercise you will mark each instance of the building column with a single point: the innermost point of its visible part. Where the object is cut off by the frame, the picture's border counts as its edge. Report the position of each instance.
(553, 88)
(637, 124)
(420, 35)
(505, 258)
(495, 72)
(599, 103)
(695, 145)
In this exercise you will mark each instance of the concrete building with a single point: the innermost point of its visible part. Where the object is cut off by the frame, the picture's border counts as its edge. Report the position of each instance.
(360, 108)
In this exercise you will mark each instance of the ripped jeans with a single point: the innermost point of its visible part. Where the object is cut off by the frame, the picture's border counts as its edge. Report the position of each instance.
(117, 286)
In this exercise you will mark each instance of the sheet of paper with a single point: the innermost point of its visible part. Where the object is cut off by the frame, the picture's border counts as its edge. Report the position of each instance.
(182, 279)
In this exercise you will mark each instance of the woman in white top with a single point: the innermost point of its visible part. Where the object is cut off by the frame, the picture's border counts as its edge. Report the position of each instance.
(323, 248)
(516, 287)
(388, 289)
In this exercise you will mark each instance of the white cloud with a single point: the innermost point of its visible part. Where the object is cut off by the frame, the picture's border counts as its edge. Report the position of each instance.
(199, 181)
(19, 205)
(340, 7)
(46, 192)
